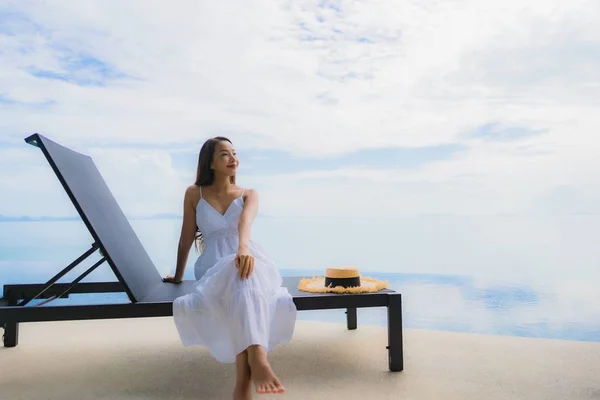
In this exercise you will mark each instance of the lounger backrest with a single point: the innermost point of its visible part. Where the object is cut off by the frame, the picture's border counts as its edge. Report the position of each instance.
(103, 217)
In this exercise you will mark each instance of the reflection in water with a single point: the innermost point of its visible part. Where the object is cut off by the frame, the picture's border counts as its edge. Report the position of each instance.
(524, 262)
(441, 302)
(569, 311)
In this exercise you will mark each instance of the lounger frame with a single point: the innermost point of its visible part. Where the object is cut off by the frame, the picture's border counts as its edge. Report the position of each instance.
(15, 307)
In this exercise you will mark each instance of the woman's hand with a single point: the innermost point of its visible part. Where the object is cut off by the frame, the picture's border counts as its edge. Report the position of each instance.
(172, 279)
(244, 261)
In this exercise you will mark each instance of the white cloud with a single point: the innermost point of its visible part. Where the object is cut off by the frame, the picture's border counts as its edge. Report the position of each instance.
(430, 69)
(143, 183)
(29, 187)
(319, 80)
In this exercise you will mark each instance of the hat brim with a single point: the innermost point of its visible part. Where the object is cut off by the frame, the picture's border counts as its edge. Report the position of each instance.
(317, 285)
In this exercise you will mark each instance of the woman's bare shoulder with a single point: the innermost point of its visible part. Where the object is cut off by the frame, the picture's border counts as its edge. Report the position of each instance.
(192, 193)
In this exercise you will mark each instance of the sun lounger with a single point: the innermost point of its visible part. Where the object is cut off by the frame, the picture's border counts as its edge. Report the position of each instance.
(118, 246)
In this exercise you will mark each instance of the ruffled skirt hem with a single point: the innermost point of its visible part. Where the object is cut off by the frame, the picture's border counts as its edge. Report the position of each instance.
(227, 314)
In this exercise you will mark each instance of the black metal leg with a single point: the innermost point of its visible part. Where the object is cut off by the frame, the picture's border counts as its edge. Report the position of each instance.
(56, 277)
(11, 334)
(11, 329)
(351, 318)
(395, 349)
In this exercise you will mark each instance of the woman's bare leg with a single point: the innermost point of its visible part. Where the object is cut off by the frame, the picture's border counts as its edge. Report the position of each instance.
(242, 377)
(263, 377)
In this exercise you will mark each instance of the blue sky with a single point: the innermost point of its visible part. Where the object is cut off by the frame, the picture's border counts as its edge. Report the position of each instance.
(336, 108)
(497, 132)
(263, 161)
(80, 70)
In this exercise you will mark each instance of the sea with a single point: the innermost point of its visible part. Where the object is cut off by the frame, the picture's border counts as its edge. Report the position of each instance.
(527, 276)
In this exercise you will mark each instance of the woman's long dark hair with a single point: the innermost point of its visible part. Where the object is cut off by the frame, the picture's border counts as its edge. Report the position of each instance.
(205, 175)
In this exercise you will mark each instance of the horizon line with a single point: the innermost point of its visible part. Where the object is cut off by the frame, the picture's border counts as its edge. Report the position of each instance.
(50, 218)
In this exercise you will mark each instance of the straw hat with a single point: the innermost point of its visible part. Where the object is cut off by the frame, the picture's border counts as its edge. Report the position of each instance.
(341, 280)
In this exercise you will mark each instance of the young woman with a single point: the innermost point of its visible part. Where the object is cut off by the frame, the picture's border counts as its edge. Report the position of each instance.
(239, 309)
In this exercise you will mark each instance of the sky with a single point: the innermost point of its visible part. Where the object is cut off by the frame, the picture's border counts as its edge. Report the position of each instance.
(336, 108)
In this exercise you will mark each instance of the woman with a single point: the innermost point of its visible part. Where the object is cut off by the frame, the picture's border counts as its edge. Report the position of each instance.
(239, 309)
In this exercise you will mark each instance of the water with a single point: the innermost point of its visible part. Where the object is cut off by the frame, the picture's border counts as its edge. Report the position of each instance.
(534, 276)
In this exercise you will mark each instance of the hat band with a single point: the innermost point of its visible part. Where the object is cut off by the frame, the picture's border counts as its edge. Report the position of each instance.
(344, 282)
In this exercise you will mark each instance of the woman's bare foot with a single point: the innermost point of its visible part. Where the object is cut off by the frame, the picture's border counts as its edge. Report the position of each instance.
(263, 377)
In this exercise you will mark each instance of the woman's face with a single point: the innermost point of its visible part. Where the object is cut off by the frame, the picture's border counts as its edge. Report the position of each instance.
(225, 161)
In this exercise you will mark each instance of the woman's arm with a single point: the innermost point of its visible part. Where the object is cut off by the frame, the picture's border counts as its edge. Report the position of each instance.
(247, 217)
(188, 233)
(244, 261)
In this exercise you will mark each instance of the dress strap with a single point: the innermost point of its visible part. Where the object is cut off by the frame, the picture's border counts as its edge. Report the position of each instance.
(200, 187)
(243, 190)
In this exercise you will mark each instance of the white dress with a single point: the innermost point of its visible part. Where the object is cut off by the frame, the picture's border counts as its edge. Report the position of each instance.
(225, 313)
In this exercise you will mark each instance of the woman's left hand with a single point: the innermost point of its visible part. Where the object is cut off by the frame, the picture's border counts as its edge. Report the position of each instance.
(244, 261)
